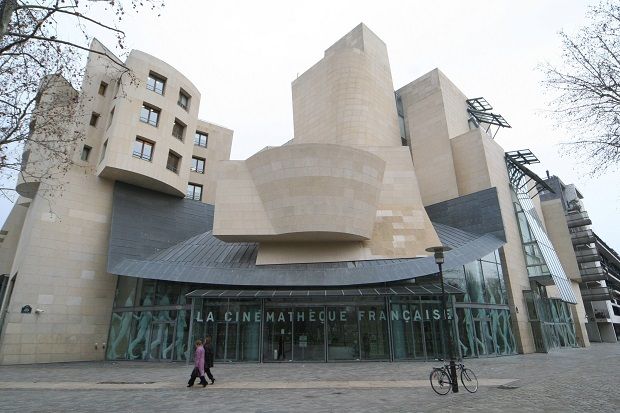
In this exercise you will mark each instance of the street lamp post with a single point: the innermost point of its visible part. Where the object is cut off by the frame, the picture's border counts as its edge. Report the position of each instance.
(439, 260)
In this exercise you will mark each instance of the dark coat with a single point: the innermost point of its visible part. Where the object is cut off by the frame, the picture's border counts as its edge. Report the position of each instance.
(208, 356)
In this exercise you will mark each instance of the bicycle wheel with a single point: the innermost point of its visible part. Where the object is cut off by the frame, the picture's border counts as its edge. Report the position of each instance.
(469, 380)
(440, 381)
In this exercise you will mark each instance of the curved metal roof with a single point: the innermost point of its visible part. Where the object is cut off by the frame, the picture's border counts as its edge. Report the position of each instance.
(208, 260)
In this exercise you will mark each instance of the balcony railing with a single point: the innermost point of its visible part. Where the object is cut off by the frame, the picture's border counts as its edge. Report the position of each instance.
(596, 294)
(582, 237)
(577, 219)
(601, 314)
(587, 255)
(592, 274)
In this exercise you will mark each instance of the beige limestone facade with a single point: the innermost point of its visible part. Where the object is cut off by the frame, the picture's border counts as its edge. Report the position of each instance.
(55, 247)
(354, 189)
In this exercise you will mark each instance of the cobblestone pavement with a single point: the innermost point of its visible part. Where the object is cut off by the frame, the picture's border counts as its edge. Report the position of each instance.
(571, 380)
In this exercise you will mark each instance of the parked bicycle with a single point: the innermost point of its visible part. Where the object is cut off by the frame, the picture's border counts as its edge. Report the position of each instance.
(441, 379)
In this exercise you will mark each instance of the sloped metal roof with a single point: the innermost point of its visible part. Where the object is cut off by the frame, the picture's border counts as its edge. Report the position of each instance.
(206, 259)
(409, 290)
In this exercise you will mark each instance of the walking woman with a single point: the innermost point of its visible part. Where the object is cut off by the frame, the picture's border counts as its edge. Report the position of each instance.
(209, 358)
(199, 366)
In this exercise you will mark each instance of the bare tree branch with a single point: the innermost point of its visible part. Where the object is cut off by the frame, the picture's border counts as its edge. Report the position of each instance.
(586, 88)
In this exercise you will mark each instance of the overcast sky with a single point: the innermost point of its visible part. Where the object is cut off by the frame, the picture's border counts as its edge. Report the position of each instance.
(243, 55)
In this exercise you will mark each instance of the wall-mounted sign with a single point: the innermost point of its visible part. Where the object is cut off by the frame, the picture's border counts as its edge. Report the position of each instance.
(255, 316)
(26, 309)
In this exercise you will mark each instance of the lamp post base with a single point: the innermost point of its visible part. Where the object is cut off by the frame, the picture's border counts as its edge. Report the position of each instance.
(455, 383)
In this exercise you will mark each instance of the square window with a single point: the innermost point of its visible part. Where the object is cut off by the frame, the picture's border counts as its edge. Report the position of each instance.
(183, 100)
(94, 117)
(149, 114)
(85, 152)
(173, 162)
(143, 149)
(178, 129)
(200, 139)
(156, 83)
(198, 165)
(194, 191)
(103, 86)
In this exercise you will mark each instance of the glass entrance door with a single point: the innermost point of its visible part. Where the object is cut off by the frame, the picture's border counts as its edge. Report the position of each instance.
(309, 334)
(342, 333)
(278, 334)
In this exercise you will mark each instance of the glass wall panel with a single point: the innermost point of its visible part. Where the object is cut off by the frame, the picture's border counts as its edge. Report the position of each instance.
(146, 292)
(234, 328)
(456, 278)
(407, 318)
(278, 334)
(373, 331)
(125, 291)
(181, 351)
(161, 335)
(466, 333)
(430, 312)
(493, 290)
(309, 331)
(475, 282)
(140, 327)
(342, 333)
(168, 293)
(120, 330)
(403, 340)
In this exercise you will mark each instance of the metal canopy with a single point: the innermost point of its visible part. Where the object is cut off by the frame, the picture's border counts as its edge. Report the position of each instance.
(409, 290)
(479, 104)
(479, 111)
(517, 172)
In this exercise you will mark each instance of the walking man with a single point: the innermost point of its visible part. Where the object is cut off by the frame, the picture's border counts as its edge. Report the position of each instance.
(209, 358)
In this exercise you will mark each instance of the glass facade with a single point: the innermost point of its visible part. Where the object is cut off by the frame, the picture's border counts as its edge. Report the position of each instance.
(150, 321)
(153, 320)
(551, 321)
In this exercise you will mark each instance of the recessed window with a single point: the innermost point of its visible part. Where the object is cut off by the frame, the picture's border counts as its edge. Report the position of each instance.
(85, 152)
(143, 149)
(173, 162)
(198, 165)
(149, 114)
(103, 86)
(94, 118)
(200, 139)
(110, 118)
(155, 83)
(183, 99)
(194, 191)
(178, 129)
(103, 150)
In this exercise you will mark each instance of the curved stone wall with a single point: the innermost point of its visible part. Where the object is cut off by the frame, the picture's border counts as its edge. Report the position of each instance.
(311, 192)
(125, 126)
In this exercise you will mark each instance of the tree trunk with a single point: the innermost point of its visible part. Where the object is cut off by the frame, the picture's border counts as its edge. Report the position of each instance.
(7, 7)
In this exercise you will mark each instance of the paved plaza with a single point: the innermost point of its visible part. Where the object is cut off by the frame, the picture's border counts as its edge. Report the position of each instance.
(571, 380)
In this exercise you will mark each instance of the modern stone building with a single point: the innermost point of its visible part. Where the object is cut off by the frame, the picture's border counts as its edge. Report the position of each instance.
(599, 264)
(311, 251)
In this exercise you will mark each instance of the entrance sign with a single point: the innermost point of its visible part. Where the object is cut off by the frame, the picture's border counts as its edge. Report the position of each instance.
(331, 315)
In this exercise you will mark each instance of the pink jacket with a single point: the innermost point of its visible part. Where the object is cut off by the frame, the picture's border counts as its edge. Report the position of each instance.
(199, 360)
